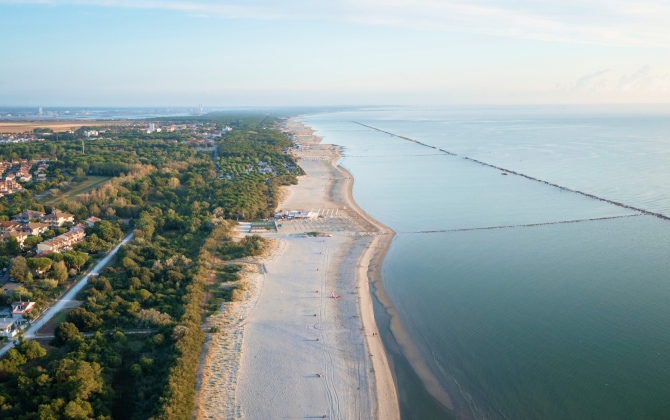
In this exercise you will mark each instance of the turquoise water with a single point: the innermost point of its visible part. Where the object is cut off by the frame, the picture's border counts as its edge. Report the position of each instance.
(559, 321)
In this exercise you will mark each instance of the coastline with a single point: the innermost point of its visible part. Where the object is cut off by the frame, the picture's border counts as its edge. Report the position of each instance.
(370, 262)
(301, 352)
(398, 350)
(373, 279)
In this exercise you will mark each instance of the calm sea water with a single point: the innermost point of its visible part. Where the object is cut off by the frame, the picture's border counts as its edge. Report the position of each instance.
(558, 321)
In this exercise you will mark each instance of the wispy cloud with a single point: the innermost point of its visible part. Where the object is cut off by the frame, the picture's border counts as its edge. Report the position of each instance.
(590, 81)
(615, 22)
(643, 80)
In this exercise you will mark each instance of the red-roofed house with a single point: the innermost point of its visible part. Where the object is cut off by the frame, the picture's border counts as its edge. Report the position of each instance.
(7, 226)
(21, 309)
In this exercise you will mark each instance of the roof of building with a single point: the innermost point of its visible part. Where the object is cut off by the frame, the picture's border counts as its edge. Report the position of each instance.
(64, 239)
(93, 219)
(57, 214)
(37, 225)
(14, 234)
(6, 323)
(9, 225)
(30, 214)
(22, 307)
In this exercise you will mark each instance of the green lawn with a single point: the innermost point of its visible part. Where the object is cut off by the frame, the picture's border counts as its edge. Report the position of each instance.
(78, 188)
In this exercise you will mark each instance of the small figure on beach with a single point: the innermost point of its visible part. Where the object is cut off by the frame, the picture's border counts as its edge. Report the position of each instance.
(334, 296)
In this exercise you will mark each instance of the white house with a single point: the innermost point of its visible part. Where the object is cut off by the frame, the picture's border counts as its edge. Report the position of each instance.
(35, 229)
(58, 218)
(8, 327)
(20, 310)
(19, 235)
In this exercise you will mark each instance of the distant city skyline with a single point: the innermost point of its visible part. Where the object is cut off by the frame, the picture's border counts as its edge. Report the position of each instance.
(299, 53)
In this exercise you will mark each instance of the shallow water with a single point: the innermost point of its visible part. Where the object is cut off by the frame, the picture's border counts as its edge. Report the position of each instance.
(554, 321)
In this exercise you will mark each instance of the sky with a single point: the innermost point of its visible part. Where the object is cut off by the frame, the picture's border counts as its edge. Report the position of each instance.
(333, 52)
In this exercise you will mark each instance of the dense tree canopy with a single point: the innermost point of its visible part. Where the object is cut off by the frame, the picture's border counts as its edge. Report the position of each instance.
(178, 201)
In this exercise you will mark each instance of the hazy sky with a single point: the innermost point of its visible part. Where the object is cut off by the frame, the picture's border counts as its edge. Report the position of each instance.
(311, 52)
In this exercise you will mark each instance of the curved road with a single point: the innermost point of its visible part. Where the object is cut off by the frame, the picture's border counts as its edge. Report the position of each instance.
(69, 295)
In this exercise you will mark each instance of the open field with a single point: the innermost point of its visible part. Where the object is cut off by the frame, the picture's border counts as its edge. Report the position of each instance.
(57, 126)
(50, 327)
(80, 188)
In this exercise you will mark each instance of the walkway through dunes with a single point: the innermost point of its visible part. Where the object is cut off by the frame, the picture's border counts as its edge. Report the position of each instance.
(527, 225)
(595, 197)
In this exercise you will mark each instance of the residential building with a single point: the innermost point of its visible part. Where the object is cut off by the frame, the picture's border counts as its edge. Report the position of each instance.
(27, 215)
(62, 242)
(35, 229)
(19, 235)
(8, 327)
(91, 221)
(57, 218)
(9, 186)
(9, 226)
(21, 309)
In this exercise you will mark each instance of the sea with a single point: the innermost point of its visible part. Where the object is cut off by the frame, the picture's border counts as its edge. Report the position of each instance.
(530, 270)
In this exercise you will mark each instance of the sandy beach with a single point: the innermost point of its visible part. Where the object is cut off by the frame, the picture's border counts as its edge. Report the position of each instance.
(290, 350)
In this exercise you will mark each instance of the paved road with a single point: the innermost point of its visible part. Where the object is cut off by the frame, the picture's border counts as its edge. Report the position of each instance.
(70, 295)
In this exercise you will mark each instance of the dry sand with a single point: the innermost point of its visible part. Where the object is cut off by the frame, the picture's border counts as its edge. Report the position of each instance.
(290, 350)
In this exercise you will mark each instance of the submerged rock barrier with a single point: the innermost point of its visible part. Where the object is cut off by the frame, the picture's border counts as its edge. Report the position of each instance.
(595, 197)
(526, 225)
(406, 138)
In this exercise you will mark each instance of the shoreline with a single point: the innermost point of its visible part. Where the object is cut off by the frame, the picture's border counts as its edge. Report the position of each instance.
(370, 261)
(438, 398)
(302, 352)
